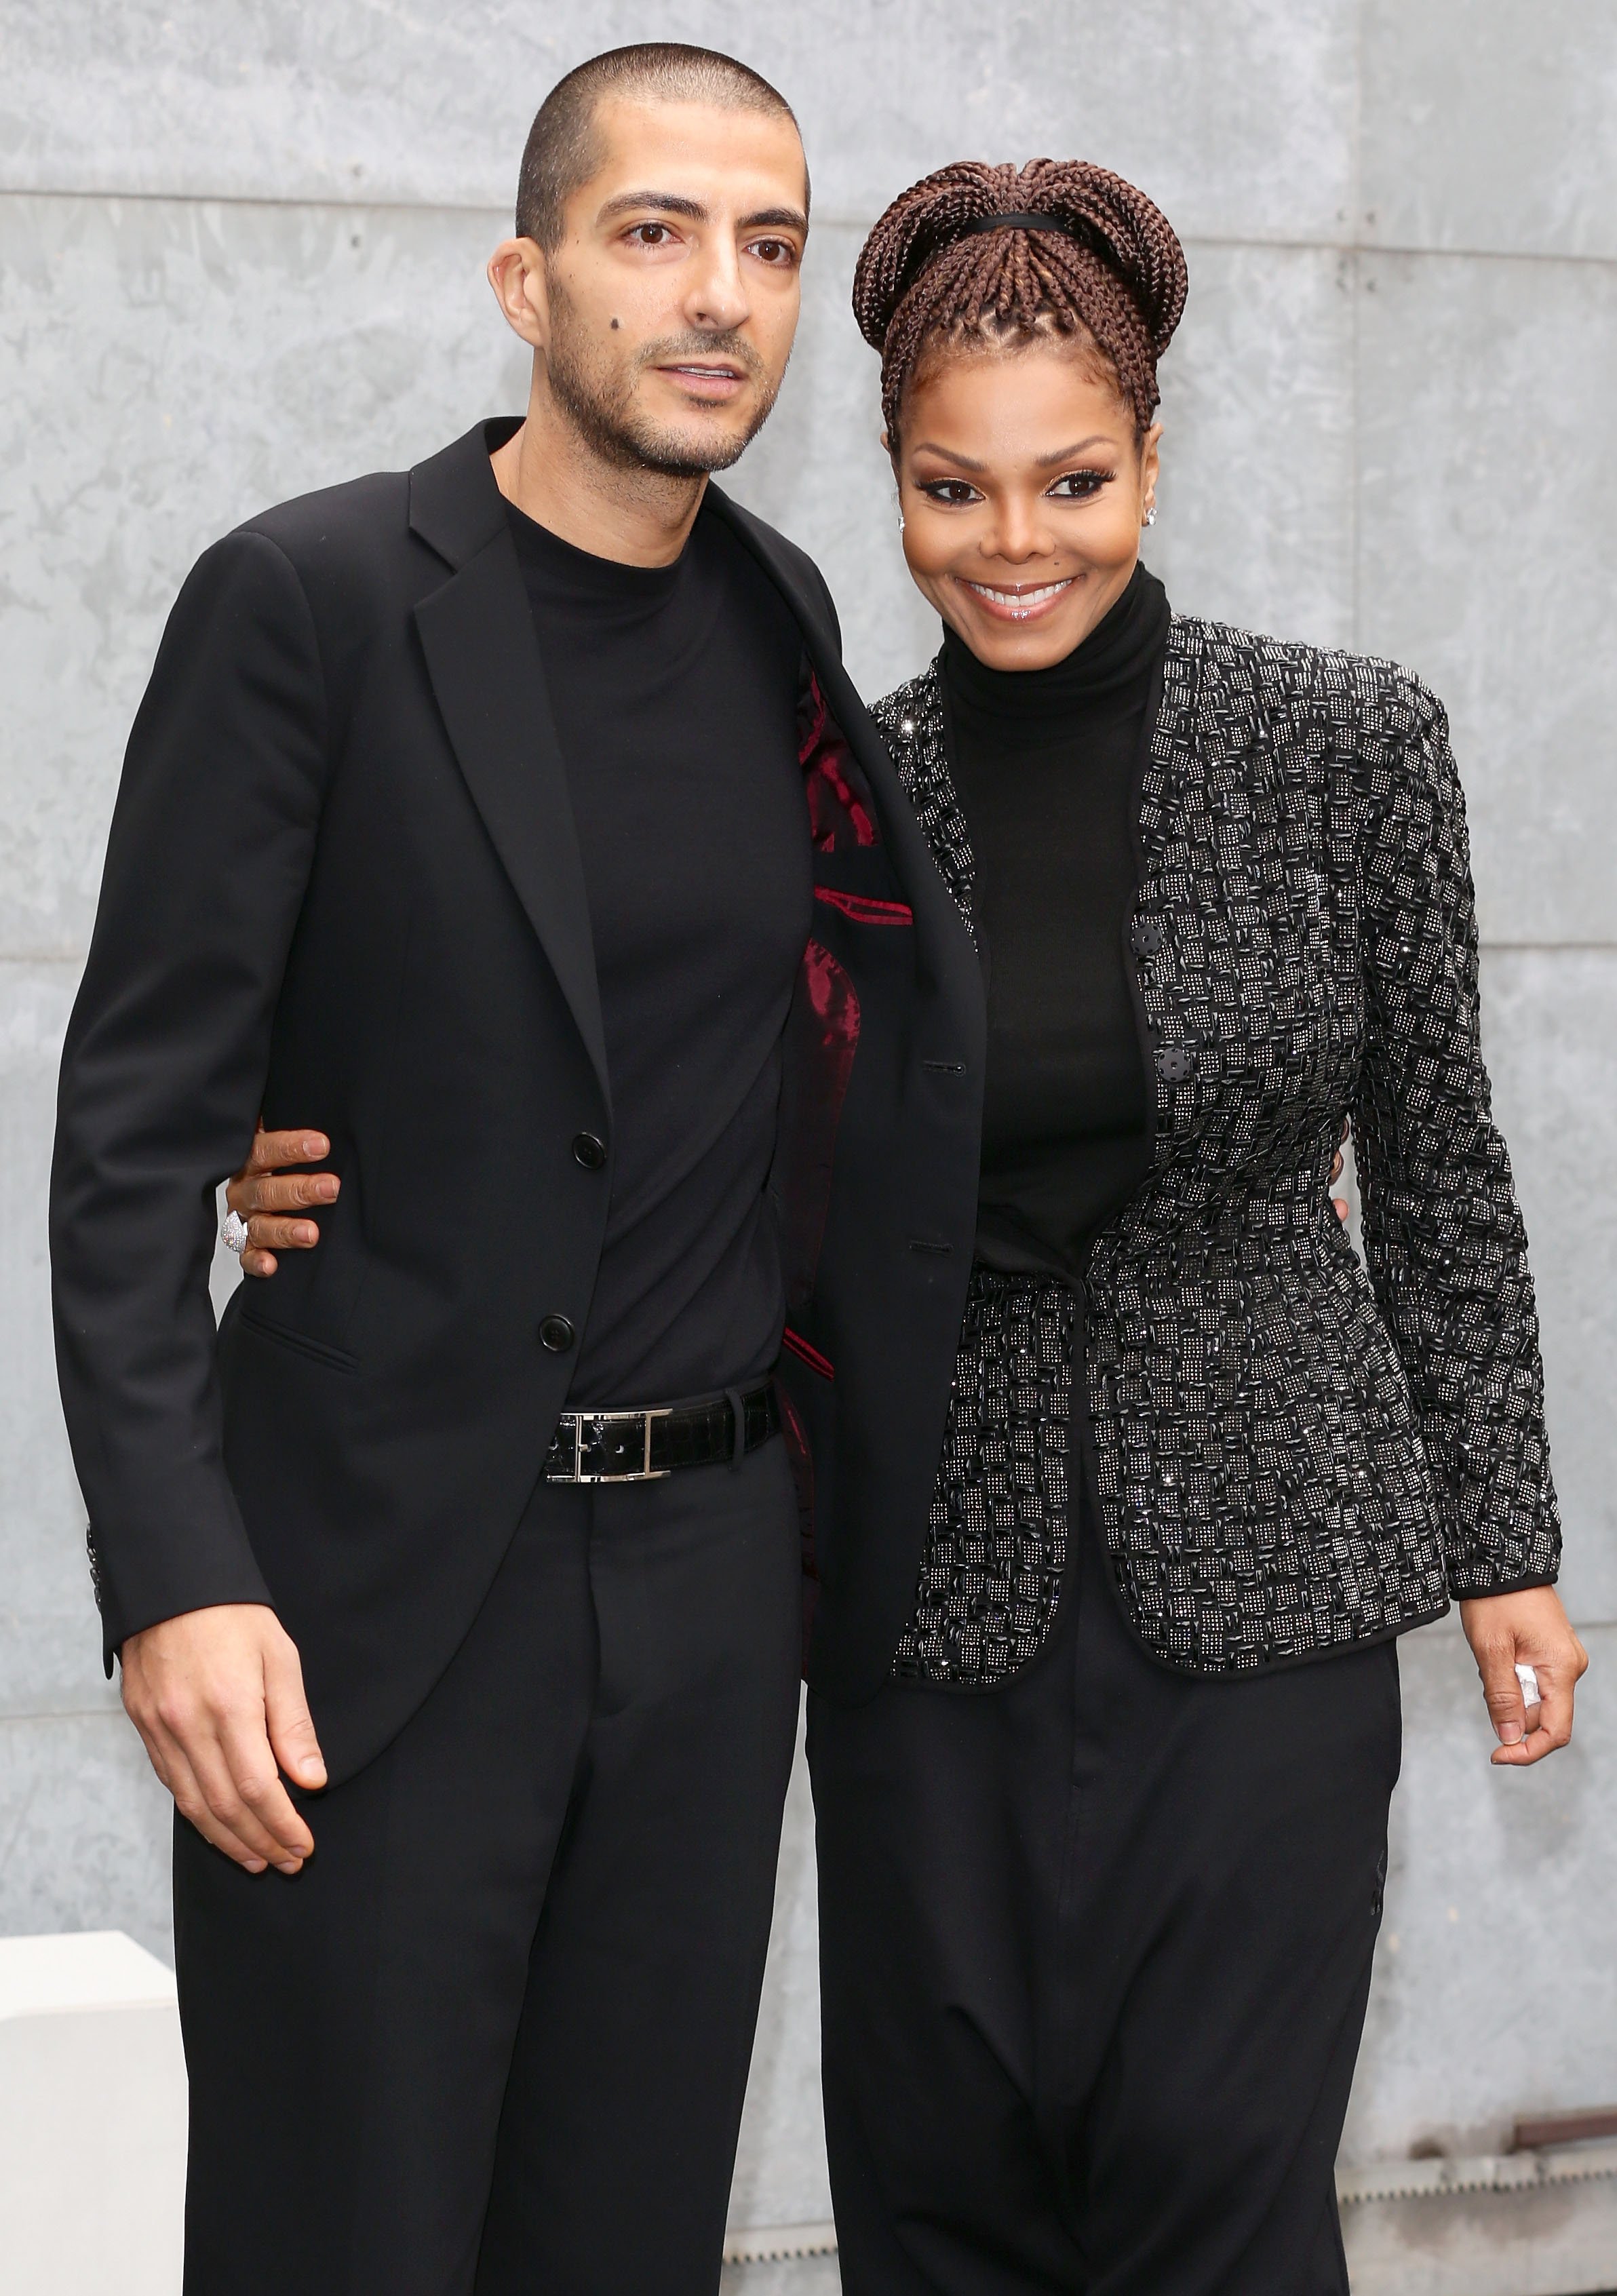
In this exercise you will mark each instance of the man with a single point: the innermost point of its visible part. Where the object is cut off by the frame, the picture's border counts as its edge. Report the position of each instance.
(487, 810)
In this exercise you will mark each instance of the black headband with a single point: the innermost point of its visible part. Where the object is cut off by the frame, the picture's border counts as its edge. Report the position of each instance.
(1015, 223)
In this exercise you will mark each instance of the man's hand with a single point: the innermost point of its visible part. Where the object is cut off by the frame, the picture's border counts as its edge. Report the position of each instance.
(218, 1697)
(1531, 1628)
(263, 1192)
(1339, 1203)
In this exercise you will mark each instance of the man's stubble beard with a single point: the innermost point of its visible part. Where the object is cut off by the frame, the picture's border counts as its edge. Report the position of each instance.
(598, 397)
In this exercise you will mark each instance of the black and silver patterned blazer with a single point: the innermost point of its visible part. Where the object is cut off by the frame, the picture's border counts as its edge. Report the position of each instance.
(1289, 1453)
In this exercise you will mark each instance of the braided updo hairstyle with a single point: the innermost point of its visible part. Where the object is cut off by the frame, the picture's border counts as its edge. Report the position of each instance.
(1109, 269)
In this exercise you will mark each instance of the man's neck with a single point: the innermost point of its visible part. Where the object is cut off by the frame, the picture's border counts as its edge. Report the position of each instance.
(556, 476)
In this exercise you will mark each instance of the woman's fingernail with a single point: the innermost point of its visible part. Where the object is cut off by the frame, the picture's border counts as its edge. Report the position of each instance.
(314, 1145)
(1510, 1733)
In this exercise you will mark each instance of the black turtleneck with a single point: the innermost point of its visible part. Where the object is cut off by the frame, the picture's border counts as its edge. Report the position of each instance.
(1046, 765)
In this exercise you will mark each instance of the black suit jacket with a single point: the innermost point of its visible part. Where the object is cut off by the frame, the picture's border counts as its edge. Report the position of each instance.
(343, 886)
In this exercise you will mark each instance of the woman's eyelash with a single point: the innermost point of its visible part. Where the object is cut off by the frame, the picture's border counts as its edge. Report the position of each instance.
(1084, 485)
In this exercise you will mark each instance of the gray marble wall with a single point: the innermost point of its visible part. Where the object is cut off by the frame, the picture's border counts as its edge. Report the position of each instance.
(240, 251)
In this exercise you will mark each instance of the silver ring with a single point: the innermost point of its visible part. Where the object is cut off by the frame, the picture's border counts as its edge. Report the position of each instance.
(233, 1233)
(1528, 1678)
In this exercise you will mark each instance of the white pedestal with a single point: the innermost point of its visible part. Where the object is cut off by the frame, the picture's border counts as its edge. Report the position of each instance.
(91, 2119)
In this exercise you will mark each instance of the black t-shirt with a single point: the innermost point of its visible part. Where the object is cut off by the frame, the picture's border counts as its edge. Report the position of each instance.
(1045, 763)
(674, 691)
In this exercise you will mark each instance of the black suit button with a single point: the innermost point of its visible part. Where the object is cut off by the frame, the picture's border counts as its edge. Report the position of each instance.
(589, 1151)
(1146, 935)
(557, 1335)
(1176, 1063)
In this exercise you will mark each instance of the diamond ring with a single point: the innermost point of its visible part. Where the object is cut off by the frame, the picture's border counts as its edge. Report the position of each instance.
(234, 1234)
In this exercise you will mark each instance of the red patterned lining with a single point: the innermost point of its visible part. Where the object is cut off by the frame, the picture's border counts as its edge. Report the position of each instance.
(837, 817)
(864, 911)
(812, 1356)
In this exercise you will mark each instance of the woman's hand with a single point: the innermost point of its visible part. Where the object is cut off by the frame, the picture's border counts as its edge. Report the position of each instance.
(263, 1192)
(1531, 1628)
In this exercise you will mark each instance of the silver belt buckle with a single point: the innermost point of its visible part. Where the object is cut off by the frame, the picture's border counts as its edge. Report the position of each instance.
(644, 1473)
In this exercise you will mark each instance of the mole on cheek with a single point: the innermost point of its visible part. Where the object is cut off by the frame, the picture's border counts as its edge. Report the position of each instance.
(617, 322)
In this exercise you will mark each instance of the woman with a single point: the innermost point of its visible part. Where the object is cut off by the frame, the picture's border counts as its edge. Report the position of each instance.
(1097, 1940)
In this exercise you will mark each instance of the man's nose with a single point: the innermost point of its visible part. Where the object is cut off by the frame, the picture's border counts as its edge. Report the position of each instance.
(717, 296)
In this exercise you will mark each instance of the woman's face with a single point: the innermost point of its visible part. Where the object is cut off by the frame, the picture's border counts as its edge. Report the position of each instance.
(1023, 488)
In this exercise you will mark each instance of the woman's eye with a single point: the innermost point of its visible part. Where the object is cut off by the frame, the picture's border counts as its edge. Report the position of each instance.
(954, 491)
(1079, 485)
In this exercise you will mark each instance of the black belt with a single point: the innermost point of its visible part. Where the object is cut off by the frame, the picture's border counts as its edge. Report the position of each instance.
(638, 1447)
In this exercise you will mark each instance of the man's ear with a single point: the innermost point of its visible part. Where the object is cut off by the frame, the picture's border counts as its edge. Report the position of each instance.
(521, 289)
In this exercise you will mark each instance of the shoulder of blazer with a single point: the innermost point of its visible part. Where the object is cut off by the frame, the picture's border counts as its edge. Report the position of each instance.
(365, 553)
(1360, 693)
(449, 504)
(1355, 698)
(346, 526)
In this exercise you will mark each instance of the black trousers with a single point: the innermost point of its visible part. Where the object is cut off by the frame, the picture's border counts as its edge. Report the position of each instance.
(494, 2038)
(1095, 1955)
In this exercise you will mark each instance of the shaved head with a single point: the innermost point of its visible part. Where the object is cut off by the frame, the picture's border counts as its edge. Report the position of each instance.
(564, 148)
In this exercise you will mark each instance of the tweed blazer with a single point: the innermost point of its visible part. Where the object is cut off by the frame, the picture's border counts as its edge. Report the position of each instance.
(1290, 1451)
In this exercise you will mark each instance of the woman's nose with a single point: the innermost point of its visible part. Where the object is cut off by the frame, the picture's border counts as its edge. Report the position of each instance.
(1018, 535)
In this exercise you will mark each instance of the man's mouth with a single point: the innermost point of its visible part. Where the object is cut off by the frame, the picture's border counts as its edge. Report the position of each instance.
(712, 379)
(1018, 602)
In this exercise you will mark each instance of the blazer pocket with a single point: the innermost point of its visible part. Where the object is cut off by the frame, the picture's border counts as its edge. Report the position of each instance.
(300, 1343)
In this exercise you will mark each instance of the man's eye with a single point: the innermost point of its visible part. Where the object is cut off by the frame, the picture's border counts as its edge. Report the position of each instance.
(780, 252)
(1077, 486)
(651, 234)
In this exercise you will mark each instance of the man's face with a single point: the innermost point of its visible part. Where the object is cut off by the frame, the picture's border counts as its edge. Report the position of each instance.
(668, 309)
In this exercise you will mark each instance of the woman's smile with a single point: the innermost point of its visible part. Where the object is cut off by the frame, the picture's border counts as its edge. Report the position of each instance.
(1017, 602)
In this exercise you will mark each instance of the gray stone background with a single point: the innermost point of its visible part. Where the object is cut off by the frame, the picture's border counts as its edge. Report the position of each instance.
(240, 247)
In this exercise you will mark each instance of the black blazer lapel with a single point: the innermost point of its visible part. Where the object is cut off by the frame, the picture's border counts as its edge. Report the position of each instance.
(487, 673)
(945, 930)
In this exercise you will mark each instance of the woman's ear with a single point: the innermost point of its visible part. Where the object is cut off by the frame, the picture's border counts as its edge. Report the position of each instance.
(1151, 464)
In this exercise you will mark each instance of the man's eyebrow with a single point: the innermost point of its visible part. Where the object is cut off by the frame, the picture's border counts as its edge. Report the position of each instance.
(667, 203)
(676, 203)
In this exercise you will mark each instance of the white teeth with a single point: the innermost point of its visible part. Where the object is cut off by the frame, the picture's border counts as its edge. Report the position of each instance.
(1019, 601)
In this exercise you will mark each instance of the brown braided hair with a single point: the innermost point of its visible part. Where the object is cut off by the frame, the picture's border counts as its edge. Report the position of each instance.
(1108, 271)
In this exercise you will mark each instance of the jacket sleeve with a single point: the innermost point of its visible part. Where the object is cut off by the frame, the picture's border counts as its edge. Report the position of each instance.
(1443, 1234)
(211, 844)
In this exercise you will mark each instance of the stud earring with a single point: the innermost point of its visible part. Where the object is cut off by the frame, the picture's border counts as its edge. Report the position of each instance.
(1151, 515)
(901, 518)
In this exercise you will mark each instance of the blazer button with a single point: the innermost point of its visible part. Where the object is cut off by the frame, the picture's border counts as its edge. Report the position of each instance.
(1176, 1062)
(589, 1151)
(1146, 935)
(557, 1335)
